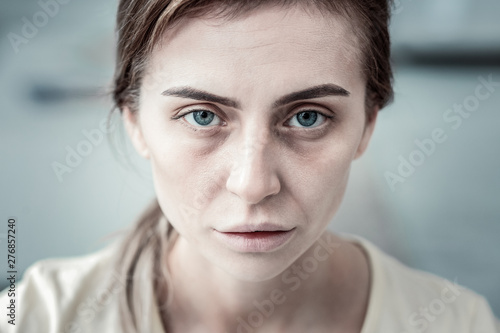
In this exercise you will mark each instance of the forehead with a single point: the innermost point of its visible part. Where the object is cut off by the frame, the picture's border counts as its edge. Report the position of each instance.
(273, 46)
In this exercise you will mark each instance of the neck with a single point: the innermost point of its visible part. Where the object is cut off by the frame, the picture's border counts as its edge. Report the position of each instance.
(205, 296)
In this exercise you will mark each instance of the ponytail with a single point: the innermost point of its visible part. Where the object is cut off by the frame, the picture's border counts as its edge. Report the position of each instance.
(143, 266)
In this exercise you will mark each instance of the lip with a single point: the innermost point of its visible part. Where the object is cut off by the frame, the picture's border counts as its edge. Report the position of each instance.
(257, 241)
(252, 228)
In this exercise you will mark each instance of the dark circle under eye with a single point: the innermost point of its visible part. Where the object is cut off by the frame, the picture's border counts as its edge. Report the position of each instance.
(203, 117)
(307, 118)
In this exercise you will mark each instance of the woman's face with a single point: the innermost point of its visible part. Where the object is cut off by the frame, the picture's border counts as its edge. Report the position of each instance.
(252, 123)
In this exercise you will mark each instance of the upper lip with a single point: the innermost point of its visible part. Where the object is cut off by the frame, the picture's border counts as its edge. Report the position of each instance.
(255, 227)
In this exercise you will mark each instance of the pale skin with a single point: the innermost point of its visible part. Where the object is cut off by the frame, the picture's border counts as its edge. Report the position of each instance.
(253, 158)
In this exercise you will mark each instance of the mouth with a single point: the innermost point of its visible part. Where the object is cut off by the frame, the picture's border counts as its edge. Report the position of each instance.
(255, 241)
(262, 227)
(258, 233)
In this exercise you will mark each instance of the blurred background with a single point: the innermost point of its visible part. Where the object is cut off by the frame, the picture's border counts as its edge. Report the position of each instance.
(434, 206)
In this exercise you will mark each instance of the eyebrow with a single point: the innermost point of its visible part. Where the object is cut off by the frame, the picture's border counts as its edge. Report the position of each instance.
(200, 95)
(309, 93)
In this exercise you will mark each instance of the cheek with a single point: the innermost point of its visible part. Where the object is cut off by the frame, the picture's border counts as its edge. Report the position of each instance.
(175, 178)
(185, 183)
(168, 172)
(323, 186)
(319, 179)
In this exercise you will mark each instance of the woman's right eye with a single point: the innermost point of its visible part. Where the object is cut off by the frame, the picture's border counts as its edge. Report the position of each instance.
(202, 118)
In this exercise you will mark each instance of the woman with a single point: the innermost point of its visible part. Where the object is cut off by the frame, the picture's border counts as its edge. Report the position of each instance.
(250, 113)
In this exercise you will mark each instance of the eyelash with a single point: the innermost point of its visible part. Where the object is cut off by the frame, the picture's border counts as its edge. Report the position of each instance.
(206, 129)
(310, 129)
(209, 129)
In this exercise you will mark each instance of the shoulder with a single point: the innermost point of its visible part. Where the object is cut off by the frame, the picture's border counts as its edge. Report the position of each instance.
(66, 295)
(403, 299)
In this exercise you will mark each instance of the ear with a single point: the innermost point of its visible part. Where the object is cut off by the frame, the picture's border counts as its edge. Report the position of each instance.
(367, 134)
(134, 131)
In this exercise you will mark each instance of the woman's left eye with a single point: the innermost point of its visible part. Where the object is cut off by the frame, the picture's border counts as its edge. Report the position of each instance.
(202, 118)
(307, 119)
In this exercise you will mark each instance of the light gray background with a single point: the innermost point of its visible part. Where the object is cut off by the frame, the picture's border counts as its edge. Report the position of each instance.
(444, 219)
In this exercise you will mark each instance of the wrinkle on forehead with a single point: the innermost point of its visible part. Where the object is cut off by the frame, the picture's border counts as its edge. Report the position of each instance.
(269, 27)
(335, 25)
(270, 55)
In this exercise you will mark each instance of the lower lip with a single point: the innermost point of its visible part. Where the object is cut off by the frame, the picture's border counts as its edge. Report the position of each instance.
(260, 241)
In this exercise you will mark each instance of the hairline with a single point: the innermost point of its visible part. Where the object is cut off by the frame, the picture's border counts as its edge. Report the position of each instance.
(228, 14)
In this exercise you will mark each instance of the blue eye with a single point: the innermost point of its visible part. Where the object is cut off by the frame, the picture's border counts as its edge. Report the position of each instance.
(202, 118)
(307, 119)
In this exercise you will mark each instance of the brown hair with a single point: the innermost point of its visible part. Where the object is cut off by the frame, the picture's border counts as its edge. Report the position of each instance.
(140, 25)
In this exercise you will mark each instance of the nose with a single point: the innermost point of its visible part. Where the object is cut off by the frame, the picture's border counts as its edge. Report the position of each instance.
(253, 176)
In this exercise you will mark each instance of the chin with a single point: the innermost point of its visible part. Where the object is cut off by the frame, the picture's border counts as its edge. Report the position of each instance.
(255, 267)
